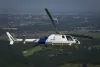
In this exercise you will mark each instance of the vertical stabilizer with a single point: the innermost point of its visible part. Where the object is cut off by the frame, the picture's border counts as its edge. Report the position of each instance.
(11, 39)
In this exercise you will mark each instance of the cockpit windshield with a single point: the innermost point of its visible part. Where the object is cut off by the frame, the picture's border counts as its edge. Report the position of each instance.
(69, 38)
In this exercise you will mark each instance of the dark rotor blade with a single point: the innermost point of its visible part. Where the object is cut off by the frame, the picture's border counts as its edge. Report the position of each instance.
(83, 36)
(54, 25)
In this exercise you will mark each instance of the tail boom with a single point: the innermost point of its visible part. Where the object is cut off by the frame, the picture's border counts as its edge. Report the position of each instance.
(13, 40)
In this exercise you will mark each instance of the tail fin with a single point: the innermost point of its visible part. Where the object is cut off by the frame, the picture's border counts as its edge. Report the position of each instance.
(11, 39)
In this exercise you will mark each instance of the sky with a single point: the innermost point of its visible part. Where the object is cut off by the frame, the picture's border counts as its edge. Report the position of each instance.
(37, 6)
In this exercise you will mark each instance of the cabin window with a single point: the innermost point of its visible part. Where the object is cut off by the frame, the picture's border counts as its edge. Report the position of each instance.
(69, 38)
(63, 37)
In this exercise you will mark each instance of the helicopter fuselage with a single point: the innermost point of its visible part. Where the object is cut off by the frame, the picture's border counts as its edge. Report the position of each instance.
(57, 39)
(53, 39)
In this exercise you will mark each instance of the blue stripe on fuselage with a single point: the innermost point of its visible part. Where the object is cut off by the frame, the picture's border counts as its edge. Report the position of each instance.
(42, 40)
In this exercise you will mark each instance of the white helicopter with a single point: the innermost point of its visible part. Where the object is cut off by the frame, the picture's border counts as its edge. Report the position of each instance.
(53, 39)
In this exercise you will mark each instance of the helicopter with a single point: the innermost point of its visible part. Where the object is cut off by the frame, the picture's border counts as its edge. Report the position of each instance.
(57, 39)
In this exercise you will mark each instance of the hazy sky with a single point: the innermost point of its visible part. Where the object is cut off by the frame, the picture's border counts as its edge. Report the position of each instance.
(37, 6)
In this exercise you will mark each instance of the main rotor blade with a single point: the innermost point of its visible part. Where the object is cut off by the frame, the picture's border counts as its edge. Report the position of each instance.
(83, 36)
(54, 25)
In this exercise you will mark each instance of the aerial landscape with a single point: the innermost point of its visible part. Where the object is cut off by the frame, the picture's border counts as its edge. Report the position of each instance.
(56, 33)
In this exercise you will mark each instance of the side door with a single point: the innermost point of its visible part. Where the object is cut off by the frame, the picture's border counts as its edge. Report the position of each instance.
(69, 39)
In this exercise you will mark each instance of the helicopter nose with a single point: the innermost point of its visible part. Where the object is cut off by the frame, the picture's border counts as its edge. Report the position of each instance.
(77, 41)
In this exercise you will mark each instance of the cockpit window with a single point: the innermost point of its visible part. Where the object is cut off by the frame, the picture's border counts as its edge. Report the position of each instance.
(69, 38)
(63, 36)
